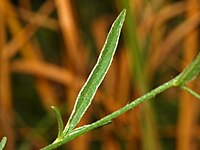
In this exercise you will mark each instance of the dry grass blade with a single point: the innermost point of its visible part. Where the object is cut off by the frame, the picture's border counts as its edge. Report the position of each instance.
(28, 52)
(50, 23)
(166, 46)
(11, 48)
(6, 115)
(48, 71)
(71, 35)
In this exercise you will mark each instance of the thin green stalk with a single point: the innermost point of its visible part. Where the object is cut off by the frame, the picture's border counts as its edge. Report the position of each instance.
(191, 92)
(131, 40)
(74, 134)
(138, 62)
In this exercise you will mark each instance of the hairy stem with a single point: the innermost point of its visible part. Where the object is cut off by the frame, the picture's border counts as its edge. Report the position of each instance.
(72, 135)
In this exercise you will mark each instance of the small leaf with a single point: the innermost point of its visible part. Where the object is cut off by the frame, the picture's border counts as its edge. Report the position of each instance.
(189, 73)
(95, 78)
(3, 143)
(75, 133)
(191, 92)
(59, 120)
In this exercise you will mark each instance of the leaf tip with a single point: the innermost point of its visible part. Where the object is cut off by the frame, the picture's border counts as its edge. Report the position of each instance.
(3, 142)
(124, 11)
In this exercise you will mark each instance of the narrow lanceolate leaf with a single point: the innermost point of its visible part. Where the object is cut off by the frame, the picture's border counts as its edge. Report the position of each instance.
(95, 78)
(189, 73)
(59, 120)
(3, 143)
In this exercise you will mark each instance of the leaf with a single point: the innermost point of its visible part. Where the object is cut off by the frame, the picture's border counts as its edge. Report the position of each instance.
(59, 120)
(75, 133)
(95, 78)
(191, 92)
(189, 73)
(3, 143)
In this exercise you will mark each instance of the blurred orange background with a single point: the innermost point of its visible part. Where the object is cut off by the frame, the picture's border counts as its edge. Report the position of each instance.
(48, 48)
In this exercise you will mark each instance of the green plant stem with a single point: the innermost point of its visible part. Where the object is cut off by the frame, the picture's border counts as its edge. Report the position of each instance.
(78, 132)
(191, 92)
